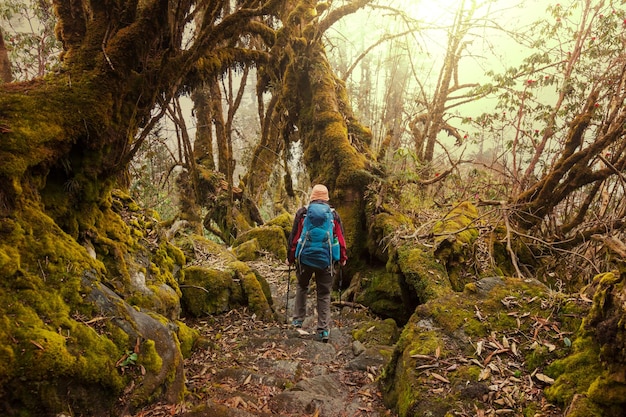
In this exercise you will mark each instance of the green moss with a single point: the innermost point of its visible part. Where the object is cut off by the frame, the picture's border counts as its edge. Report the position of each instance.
(575, 373)
(9, 261)
(206, 291)
(381, 292)
(423, 276)
(265, 287)
(253, 291)
(447, 324)
(383, 226)
(149, 358)
(248, 250)
(270, 238)
(187, 338)
(609, 389)
(284, 221)
(454, 236)
(377, 332)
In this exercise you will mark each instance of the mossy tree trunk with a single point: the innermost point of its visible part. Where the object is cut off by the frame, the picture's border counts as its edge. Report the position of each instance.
(312, 107)
(65, 142)
(5, 64)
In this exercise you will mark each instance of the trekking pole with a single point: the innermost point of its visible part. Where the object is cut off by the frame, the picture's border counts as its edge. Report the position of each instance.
(340, 284)
(287, 300)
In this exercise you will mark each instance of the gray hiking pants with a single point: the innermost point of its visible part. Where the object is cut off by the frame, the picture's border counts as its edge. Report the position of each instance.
(324, 282)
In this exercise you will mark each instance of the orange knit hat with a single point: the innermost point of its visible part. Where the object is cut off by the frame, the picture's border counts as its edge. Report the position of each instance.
(320, 192)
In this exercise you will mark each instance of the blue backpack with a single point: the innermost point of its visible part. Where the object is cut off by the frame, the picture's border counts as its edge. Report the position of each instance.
(317, 246)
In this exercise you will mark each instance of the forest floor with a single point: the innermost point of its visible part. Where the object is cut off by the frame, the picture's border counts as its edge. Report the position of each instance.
(247, 367)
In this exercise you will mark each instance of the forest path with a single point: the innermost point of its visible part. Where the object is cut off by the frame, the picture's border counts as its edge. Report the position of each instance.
(247, 367)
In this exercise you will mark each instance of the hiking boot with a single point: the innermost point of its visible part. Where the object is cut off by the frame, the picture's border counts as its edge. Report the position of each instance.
(297, 324)
(322, 336)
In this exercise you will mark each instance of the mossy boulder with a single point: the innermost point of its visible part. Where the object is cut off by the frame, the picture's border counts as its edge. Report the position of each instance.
(72, 305)
(590, 381)
(151, 337)
(423, 277)
(284, 221)
(377, 332)
(216, 281)
(248, 250)
(270, 238)
(209, 291)
(470, 330)
(380, 291)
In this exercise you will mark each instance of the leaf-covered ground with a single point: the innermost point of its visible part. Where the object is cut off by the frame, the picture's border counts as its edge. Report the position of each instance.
(246, 367)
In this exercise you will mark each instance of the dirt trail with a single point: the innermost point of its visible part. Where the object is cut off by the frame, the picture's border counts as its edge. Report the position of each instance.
(246, 367)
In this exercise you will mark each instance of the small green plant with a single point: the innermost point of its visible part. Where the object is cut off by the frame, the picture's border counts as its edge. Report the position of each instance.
(128, 359)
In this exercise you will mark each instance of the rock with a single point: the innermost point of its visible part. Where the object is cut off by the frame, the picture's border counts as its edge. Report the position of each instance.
(164, 373)
(372, 357)
(357, 348)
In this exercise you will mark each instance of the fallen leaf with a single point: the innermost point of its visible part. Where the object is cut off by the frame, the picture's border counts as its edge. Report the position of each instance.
(551, 347)
(439, 377)
(479, 316)
(505, 342)
(418, 356)
(479, 348)
(485, 373)
(492, 354)
(544, 378)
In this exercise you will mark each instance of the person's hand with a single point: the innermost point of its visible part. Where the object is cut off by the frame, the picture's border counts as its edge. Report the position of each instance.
(343, 263)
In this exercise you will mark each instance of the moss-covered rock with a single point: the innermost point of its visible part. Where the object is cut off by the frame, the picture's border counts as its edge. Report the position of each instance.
(284, 221)
(380, 291)
(255, 291)
(491, 313)
(382, 226)
(377, 332)
(596, 367)
(208, 291)
(221, 282)
(248, 250)
(63, 329)
(423, 276)
(271, 239)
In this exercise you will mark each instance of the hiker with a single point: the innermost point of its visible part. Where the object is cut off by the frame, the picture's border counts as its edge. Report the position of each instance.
(316, 241)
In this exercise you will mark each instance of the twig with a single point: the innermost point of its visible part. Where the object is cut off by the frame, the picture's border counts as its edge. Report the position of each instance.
(348, 304)
(508, 245)
(196, 287)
